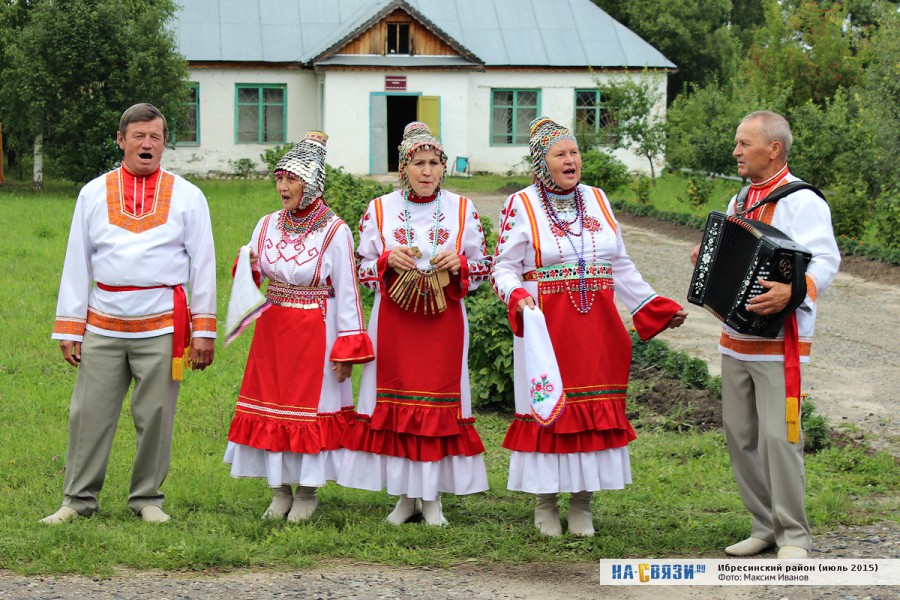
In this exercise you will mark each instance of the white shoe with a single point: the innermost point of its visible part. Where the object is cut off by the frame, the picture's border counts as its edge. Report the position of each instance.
(63, 515)
(405, 509)
(153, 514)
(433, 512)
(749, 547)
(546, 515)
(282, 499)
(792, 552)
(581, 521)
(304, 504)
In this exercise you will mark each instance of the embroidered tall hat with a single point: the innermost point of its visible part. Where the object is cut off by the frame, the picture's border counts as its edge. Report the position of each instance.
(545, 133)
(417, 136)
(306, 160)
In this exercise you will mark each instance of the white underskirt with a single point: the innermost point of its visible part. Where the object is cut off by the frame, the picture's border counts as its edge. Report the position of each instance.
(281, 468)
(416, 479)
(546, 473)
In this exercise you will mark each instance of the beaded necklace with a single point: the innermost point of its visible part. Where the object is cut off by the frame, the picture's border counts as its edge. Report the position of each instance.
(435, 231)
(584, 301)
(293, 226)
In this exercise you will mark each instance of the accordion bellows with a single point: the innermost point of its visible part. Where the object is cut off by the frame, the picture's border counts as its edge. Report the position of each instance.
(736, 252)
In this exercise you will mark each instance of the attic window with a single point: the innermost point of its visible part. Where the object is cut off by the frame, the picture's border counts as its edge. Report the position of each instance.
(398, 38)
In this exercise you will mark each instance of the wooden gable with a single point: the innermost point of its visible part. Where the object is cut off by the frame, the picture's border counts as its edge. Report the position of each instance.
(422, 41)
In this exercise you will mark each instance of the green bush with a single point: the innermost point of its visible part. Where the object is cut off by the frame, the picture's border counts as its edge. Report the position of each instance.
(641, 185)
(699, 190)
(274, 154)
(655, 353)
(490, 352)
(695, 374)
(887, 221)
(349, 196)
(243, 167)
(675, 364)
(850, 207)
(602, 170)
(814, 427)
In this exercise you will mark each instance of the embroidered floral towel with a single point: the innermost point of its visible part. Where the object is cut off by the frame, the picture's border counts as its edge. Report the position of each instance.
(246, 302)
(541, 369)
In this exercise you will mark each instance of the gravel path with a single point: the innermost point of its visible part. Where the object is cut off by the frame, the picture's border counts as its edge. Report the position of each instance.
(852, 380)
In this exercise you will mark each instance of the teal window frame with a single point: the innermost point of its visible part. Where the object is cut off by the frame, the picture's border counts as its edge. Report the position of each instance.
(602, 120)
(519, 111)
(193, 106)
(261, 105)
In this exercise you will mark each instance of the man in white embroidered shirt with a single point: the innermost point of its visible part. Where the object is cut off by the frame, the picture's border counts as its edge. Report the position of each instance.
(138, 235)
(760, 376)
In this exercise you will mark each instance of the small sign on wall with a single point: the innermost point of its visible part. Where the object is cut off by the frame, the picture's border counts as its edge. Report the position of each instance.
(395, 83)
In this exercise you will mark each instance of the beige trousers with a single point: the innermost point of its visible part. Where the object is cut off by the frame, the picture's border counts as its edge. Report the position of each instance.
(108, 366)
(768, 469)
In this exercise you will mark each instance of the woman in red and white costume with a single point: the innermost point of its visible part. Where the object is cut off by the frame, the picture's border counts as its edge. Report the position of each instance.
(414, 434)
(560, 248)
(296, 398)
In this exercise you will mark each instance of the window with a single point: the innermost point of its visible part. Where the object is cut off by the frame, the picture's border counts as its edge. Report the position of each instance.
(261, 113)
(592, 117)
(398, 38)
(511, 114)
(189, 134)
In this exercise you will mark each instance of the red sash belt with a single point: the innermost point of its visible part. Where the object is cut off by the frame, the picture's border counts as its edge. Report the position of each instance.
(181, 316)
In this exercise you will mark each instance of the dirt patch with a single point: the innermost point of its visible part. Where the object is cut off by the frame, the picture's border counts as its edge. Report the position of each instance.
(870, 270)
(661, 400)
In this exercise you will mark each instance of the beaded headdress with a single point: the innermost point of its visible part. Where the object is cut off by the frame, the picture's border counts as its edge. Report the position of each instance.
(306, 160)
(417, 136)
(545, 133)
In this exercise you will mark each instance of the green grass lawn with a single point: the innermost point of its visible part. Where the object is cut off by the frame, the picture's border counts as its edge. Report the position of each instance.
(670, 194)
(683, 501)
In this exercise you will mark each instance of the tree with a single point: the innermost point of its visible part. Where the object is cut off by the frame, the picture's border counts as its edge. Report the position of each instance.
(807, 48)
(700, 127)
(636, 108)
(71, 68)
(694, 34)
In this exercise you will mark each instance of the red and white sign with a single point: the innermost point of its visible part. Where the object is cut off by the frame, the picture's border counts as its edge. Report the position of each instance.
(395, 83)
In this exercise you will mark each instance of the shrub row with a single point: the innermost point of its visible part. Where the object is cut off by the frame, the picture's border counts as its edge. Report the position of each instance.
(647, 210)
(854, 247)
(691, 372)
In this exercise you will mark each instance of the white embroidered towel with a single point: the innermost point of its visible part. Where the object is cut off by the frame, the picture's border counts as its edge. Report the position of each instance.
(246, 302)
(541, 369)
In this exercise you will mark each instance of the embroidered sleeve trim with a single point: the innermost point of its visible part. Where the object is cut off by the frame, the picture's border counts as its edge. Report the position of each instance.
(203, 322)
(69, 326)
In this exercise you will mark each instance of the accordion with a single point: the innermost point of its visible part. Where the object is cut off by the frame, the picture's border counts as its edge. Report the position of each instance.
(736, 252)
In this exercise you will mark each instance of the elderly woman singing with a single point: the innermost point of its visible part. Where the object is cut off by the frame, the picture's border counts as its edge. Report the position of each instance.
(423, 249)
(296, 398)
(560, 253)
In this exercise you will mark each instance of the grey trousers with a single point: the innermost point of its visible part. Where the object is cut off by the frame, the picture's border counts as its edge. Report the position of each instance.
(768, 469)
(108, 366)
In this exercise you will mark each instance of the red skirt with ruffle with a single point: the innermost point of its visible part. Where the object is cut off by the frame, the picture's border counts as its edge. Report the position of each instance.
(593, 351)
(418, 369)
(278, 405)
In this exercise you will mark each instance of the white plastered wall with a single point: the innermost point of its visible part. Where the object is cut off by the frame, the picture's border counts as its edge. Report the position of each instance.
(342, 111)
(217, 146)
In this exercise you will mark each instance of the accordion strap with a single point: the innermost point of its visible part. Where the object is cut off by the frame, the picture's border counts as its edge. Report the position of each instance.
(776, 195)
